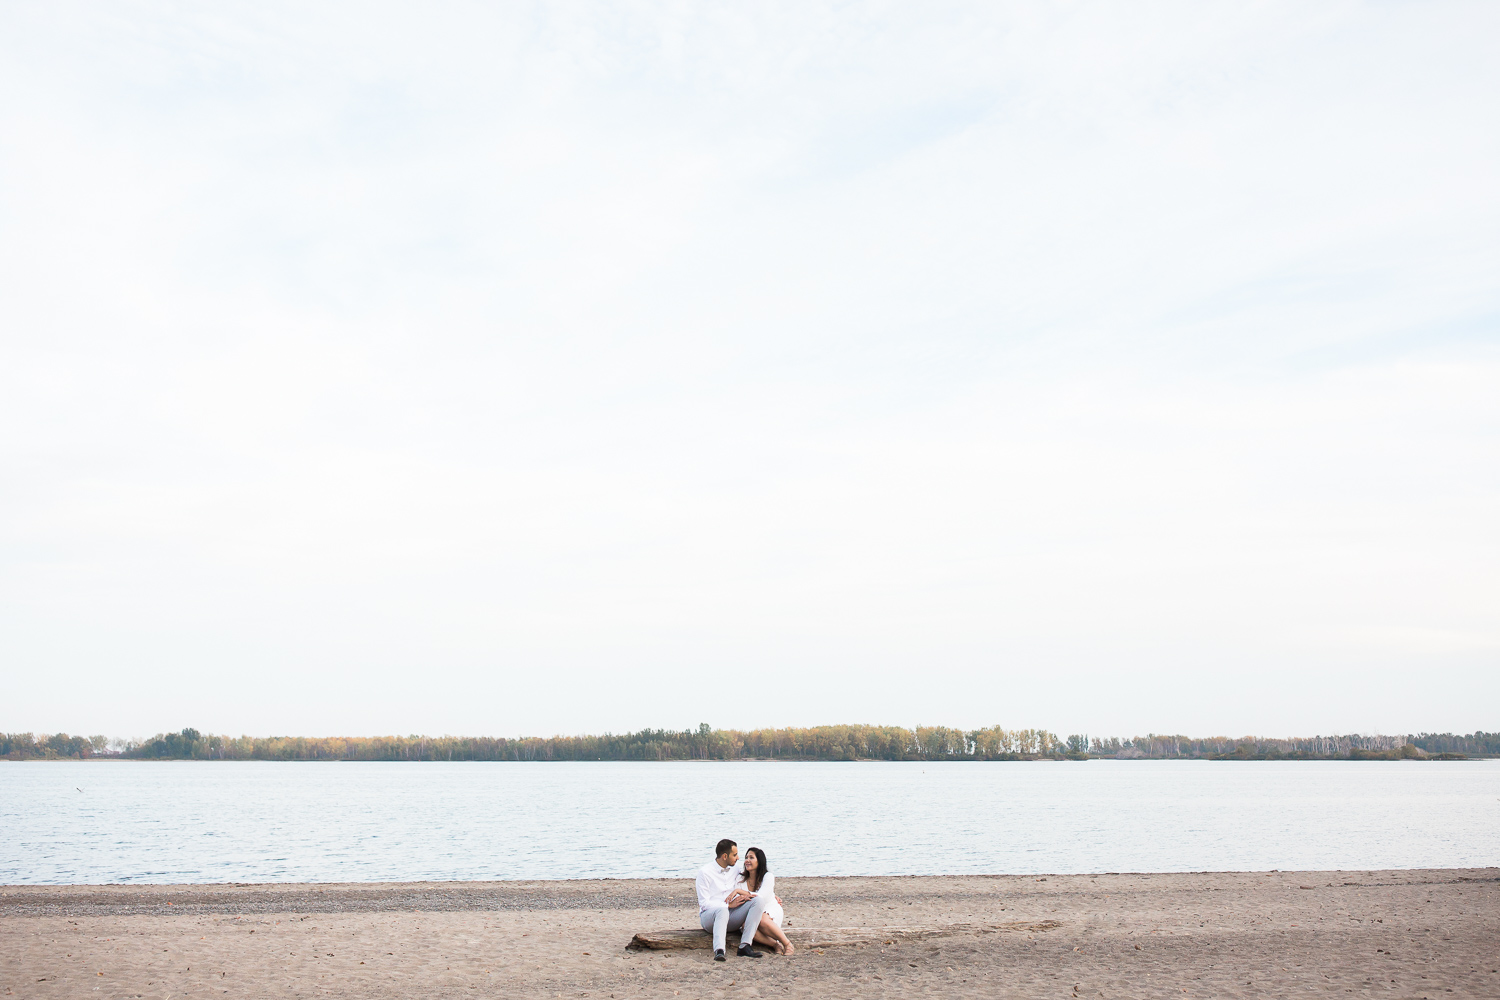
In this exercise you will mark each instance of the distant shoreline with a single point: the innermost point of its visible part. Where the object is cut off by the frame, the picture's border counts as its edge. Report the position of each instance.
(817, 743)
(121, 759)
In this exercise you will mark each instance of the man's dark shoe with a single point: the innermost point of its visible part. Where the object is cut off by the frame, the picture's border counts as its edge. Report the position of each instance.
(748, 952)
(718, 954)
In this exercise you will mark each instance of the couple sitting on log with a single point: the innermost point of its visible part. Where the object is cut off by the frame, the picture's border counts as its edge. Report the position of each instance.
(735, 894)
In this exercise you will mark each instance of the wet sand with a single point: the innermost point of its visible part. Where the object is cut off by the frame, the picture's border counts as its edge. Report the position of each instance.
(1392, 934)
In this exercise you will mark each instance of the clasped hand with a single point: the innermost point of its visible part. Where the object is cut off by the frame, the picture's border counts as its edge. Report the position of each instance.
(739, 896)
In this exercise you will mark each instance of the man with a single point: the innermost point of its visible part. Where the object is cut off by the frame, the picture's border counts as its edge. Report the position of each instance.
(723, 908)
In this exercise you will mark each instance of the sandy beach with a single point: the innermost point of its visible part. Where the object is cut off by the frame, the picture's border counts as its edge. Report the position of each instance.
(1380, 933)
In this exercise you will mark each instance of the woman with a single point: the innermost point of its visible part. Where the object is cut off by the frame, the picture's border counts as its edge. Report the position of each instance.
(756, 880)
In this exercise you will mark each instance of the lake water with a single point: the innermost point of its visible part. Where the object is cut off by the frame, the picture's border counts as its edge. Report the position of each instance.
(108, 821)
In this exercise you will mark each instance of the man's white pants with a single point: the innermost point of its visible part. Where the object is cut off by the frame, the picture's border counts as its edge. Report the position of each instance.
(743, 918)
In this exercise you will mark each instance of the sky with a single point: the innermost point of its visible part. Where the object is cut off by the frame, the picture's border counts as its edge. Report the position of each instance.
(559, 368)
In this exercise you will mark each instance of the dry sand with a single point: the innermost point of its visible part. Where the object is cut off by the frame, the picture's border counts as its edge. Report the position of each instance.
(1393, 934)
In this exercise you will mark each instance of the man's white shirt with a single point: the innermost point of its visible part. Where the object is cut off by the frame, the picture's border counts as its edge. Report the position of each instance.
(715, 883)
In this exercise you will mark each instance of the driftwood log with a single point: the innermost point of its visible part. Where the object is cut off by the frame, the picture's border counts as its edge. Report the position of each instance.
(834, 937)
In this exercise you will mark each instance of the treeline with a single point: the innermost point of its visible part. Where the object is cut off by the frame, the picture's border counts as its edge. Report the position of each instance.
(1351, 747)
(58, 746)
(706, 743)
(1473, 745)
(703, 743)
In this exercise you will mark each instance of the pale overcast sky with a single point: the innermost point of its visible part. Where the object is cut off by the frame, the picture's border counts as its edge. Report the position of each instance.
(508, 368)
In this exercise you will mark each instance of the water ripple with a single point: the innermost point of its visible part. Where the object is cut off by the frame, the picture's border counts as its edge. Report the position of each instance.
(150, 822)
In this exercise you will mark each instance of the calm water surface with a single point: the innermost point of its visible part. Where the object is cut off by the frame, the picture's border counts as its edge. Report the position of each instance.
(110, 821)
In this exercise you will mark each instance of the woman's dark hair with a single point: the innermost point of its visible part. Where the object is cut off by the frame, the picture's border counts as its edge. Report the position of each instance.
(761, 868)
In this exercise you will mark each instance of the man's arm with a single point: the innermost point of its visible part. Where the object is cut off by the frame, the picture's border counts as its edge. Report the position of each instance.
(705, 892)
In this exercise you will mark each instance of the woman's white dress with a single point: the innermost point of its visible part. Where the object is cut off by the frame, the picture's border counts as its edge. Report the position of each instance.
(767, 889)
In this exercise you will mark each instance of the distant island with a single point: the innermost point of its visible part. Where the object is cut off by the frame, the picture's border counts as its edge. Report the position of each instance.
(851, 743)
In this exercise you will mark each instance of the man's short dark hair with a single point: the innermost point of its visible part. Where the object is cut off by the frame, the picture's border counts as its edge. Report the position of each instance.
(725, 846)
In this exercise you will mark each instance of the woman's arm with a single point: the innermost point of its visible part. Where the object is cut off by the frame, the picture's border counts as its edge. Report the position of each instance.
(739, 894)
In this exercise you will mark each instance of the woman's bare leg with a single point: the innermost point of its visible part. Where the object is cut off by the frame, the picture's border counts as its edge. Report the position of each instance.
(763, 934)
(771, 935)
